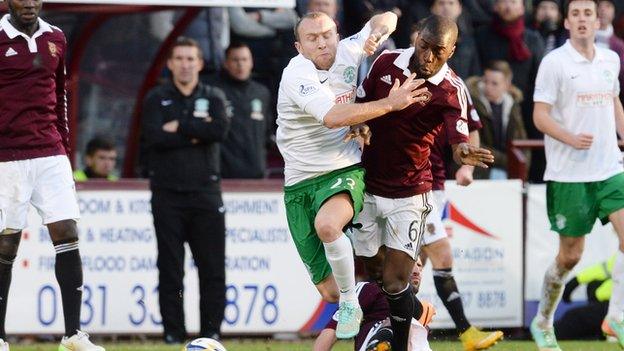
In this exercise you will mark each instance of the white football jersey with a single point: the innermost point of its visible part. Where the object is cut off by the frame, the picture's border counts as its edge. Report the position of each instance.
(305, 96)
(581, 93)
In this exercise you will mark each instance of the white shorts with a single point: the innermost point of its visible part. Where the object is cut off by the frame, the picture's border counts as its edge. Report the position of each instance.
(47, 183)
(435, 228)
(395, 223)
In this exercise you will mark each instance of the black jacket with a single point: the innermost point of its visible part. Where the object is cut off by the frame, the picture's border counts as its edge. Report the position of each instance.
(187, 160)
(243, 153)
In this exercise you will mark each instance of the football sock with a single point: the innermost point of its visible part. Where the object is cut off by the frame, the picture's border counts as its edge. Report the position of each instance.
(68, 271)
(339, 254)
(616, 304)
(552, 289)
(449, 294)
(401, 311)
(8, 250)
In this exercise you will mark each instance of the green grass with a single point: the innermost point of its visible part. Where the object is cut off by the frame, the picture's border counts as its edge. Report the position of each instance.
(254, 345)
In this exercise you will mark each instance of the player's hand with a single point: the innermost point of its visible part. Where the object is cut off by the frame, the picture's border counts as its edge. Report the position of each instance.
(361, 132)
(171, 126)
(403, 95)
(474, 156)
(463, 176)
(374, 40)
(581, 141)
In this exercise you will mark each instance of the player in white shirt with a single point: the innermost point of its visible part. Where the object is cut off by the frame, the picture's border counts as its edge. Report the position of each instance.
(578, 109)
(324, 182)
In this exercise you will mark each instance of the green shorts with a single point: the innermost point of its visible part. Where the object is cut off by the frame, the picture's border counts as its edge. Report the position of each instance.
(574, 207)
(303, 201)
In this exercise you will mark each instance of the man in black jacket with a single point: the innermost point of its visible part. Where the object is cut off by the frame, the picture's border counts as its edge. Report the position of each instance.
(243, 153)
(183, 123)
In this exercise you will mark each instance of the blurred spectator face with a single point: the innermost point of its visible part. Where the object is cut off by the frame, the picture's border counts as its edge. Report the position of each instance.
(547, 11)
(185, 65)
(239, 63)
(102, 162)
(447, 8)
(318, 41)
(431, 53)
(416, 273)
(582, 20)
(328, 7)
(509, 10)
(495, 85)
(606, 13)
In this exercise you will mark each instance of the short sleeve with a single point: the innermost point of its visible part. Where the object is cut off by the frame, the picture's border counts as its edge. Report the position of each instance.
(474, 121)
(455, 115)
(304, 88)
(547, 82)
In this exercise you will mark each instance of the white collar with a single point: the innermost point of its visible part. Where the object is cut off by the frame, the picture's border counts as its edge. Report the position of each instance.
(12, 32)
(578, 58)
(402, 61)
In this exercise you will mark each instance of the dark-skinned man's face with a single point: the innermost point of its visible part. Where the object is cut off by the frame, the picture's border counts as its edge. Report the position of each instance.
(24, 12)
(431, 53)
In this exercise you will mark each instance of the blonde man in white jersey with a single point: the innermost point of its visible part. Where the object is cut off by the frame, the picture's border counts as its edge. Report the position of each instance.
(578, 109)
(324, 182)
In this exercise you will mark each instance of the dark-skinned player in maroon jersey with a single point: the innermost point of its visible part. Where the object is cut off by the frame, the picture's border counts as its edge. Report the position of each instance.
(398, 172)
(34, 167)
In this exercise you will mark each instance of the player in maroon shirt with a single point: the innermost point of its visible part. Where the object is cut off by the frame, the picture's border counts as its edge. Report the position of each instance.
(398, 171)
(34, 168)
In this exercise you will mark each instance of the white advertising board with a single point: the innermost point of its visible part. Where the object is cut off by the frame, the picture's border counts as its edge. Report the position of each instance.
(268, 288)
(203, 3)
(484, 222)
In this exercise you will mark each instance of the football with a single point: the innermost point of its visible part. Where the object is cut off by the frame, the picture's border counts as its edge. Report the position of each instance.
(204, 344)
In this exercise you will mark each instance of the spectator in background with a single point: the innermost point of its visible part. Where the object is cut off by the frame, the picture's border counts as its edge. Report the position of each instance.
(547, 20)
(183, 123)
(507, 39)
(100, 161)
(359, 11)
(211, 31)
(465, 60)
(243, 153)
(497, 102)
(605, 37)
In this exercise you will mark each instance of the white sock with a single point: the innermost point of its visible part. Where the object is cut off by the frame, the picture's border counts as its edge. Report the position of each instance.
(552, 289)
(339, 254)
(616, 304)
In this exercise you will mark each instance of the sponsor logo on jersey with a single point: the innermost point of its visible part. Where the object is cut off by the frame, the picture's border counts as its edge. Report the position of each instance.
(305, 90)
(10, 52)
(386, 79)
(596, 99)
(345, 97)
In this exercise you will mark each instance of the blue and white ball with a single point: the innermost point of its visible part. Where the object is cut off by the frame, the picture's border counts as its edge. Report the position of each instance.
(204, 344)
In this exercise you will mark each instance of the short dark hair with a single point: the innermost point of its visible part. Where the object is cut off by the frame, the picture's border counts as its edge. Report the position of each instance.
(567, 6)
(235, 45)
(99, 143)
(309, 15)
(439, 26)
(185, 41)
(500, 66)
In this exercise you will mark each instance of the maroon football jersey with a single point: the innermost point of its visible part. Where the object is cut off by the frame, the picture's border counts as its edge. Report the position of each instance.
(440, 150)
(397, 161)
(33, 105)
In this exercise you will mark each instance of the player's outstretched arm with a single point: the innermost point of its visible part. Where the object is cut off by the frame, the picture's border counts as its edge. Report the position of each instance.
(382, 25)
(401, 96)
(466, 154)
(547, 125)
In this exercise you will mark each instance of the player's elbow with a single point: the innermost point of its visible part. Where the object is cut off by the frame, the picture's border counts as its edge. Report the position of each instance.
(332, 121)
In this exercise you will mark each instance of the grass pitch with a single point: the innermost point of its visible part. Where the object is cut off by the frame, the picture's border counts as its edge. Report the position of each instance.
(270, 345)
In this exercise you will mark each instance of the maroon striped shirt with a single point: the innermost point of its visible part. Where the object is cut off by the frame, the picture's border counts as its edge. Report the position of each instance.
(33, 105)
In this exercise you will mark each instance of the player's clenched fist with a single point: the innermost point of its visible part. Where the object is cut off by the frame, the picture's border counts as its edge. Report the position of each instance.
(403, 95)
(373, 40)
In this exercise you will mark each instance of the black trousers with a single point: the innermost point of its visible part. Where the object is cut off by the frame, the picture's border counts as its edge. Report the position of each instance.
(199, 219)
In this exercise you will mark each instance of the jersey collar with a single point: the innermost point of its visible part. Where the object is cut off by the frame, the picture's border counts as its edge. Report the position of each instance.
(12, 32)
(577, 57)
(402, 62)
